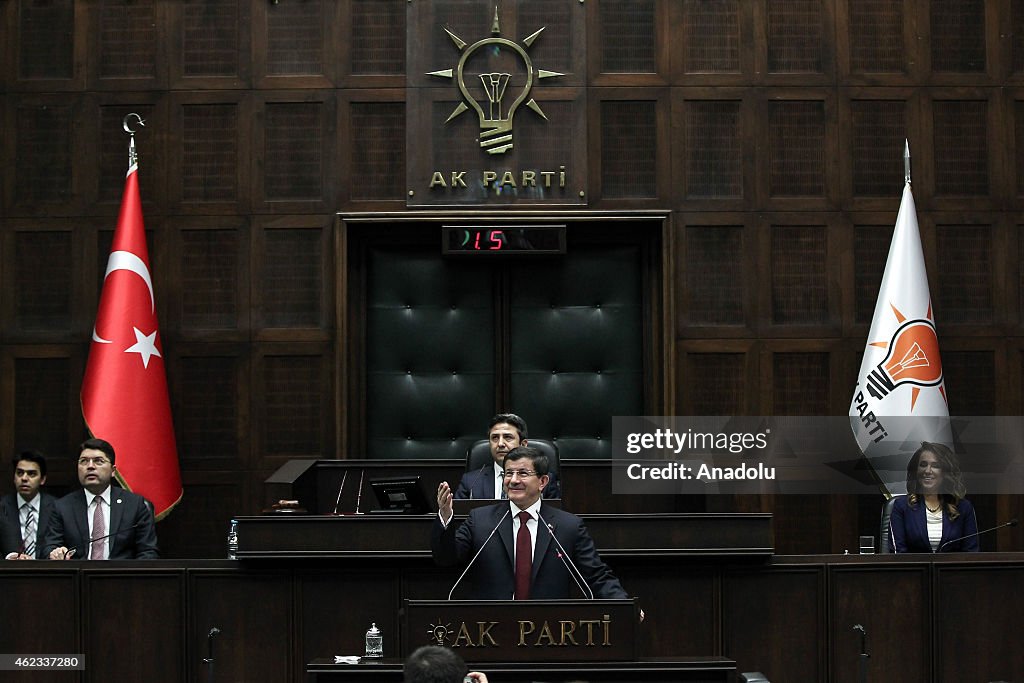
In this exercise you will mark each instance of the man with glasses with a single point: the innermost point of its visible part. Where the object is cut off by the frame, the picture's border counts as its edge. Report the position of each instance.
(28, 509)
(505, 432)
(101, 522)
(521, 549)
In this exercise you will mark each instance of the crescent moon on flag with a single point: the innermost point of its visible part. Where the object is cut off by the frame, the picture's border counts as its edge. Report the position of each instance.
(125, 260)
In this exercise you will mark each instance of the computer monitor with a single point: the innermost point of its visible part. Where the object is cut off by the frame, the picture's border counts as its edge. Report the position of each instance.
(401, 494)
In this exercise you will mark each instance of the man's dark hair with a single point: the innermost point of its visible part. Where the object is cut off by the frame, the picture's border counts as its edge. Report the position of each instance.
(538, 460)
(32, 456)
(434, 664)
(512, 419)
(98, 445)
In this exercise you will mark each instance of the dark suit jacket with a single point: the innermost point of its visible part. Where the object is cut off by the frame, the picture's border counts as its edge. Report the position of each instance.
(492, 576)
(479, 484)
(908, 528)
(132, 528)
(9, 505)
(10, 539)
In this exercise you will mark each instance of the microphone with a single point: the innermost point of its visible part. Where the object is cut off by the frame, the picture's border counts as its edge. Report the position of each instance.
(566, 559)
(1012, 522)
(337, 501)
(359, 493)
(482, 546)
(72, 551)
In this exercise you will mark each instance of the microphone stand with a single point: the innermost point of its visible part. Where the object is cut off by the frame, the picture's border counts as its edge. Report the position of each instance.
(359, 493)
(209, 651)
(862, 658)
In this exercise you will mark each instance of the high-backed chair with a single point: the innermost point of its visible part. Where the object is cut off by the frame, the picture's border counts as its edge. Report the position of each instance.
(479, 454)
(884, 532)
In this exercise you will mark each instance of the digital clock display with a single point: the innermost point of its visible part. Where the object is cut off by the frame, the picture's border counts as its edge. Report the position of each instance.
(504, 240)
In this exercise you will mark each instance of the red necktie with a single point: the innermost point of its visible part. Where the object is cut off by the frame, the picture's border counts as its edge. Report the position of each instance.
(524, 558)
(99, 530)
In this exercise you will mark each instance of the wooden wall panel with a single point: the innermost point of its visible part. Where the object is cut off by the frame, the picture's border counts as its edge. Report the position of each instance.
(896, 598)
(128, 614)
(959, 594)
(256, 635)
(749, 601)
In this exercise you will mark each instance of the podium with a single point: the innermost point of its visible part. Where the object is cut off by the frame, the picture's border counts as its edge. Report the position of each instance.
(520, 641)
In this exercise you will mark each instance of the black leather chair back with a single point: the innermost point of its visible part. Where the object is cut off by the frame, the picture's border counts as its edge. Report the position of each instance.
(884, 532)
(479, 454)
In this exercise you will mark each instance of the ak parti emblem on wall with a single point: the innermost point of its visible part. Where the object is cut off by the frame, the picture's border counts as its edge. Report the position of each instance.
(495, 76)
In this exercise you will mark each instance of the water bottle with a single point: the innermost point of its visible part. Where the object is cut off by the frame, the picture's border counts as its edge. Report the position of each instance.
(374, 642)
(233, 540)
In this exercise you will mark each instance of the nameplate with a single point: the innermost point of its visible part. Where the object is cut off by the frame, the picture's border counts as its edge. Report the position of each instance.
(524, 630)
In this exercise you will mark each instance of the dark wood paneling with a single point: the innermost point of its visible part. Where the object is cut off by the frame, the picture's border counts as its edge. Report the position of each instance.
(337, 608)
(256, 616)
(130, 612)
(780, 595)
(790, 618)
(855, 596)
(53, 597)
(962, 595)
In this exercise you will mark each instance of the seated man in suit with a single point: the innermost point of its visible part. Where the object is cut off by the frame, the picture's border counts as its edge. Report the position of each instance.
(28, 509)
(505, 432)
(100, 522)
(522, 549)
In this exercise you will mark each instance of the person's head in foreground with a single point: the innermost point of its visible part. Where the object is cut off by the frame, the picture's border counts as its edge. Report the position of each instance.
(435, 664)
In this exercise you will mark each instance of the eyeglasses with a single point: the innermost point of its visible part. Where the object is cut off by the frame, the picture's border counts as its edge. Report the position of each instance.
(99, 462)
(523, 474)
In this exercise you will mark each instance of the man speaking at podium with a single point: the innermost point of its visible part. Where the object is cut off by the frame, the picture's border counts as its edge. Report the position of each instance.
(521, 549)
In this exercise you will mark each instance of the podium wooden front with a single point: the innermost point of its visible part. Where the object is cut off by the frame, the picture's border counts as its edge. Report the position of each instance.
(524, 630)
(660, 670)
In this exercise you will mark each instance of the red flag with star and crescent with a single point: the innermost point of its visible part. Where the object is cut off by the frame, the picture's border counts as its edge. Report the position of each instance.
(124, 392)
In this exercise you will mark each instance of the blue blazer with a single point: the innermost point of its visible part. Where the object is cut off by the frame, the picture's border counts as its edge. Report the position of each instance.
(9, 505)
(132, 527)
(908, 528)
(492, 576)
(479, 484)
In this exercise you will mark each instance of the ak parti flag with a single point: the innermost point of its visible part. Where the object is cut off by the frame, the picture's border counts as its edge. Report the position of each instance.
(900, 397)
(124, 392)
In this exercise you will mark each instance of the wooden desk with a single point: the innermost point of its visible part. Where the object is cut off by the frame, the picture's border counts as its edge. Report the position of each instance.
(733, 535)
(660, 670)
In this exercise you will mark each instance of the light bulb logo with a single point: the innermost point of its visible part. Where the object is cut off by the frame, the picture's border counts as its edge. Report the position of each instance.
(488, 94)
(439, 632)
(912, 358)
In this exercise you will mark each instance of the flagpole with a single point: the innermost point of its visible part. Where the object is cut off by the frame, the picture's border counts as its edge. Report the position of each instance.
(133, 157)
(906, 161)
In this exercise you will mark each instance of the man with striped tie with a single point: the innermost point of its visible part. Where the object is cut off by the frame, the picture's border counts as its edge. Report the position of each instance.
(28, 509)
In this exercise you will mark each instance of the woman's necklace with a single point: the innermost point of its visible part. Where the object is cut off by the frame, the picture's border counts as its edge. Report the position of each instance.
(931, 509)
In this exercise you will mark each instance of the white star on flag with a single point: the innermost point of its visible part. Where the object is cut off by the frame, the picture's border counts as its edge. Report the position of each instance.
(145, 346)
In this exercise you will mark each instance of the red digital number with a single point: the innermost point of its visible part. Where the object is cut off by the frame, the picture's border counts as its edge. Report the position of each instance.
(497, 238)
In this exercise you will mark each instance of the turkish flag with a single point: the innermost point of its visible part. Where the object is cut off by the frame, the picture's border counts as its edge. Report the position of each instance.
(124, 392)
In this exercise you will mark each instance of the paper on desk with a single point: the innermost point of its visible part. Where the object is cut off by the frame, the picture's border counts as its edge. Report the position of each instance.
(346, 659)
